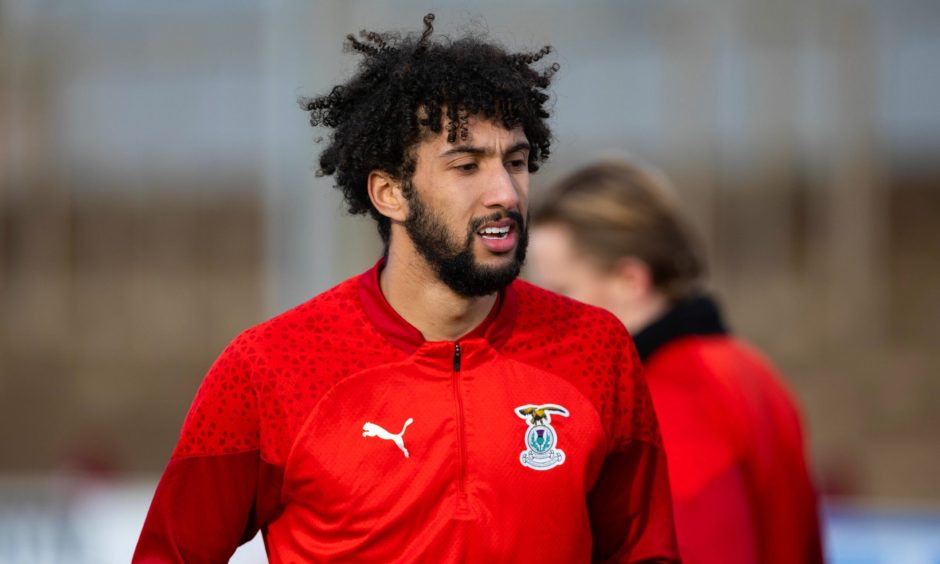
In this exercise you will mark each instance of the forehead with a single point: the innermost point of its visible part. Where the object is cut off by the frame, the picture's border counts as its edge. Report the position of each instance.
(480, 132)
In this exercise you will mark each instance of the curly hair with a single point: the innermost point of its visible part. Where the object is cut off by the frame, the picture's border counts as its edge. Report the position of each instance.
(401, 92)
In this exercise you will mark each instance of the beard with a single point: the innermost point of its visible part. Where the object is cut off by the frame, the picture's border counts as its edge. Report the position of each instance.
(454, 262)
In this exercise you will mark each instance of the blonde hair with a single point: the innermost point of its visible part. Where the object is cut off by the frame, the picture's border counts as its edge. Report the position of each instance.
(616, 209)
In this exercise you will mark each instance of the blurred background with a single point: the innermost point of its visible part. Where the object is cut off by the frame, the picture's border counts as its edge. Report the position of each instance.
(158, 195)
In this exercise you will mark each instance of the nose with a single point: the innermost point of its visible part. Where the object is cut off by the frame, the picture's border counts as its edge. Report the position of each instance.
(503, 190)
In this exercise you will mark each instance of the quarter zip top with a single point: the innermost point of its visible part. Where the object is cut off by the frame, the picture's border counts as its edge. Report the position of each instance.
(456, 357)
(463, 506)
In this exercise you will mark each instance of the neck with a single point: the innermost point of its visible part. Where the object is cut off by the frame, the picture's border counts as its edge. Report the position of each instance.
(413, 289)
(695, 315)
(638, 314)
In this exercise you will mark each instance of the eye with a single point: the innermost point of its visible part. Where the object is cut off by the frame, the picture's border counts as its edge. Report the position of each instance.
(467, 167)
(517, 162)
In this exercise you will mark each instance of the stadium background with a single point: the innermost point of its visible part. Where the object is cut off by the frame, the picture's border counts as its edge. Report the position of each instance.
(158, 195)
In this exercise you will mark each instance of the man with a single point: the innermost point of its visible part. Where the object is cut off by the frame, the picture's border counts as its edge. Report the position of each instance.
(612, 235)
(431, 409)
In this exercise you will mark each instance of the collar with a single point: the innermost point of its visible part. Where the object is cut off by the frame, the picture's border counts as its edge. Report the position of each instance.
(495, 329)
(692, 316)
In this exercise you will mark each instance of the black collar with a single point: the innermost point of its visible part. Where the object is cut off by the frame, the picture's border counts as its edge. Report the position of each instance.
(696, 315)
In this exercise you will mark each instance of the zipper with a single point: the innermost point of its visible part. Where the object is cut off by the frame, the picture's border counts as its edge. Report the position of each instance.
(462, 505)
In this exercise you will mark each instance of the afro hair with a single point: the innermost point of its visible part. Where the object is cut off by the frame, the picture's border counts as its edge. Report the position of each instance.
(406, 88)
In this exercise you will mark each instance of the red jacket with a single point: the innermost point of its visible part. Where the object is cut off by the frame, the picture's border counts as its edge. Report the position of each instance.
(342, 435)
(739, 477)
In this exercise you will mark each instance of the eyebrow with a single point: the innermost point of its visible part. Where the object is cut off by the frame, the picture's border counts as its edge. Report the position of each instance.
(472, 150)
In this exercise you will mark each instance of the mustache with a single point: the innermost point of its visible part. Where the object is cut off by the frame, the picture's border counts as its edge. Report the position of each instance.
(477, 223)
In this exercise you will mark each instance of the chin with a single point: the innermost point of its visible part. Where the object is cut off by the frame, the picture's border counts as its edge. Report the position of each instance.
(497, 261)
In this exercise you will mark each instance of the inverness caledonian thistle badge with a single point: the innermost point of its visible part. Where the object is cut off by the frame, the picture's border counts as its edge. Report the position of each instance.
(541, 438)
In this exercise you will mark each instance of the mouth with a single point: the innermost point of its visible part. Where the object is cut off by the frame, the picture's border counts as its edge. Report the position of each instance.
(496, 230)
(498, 236)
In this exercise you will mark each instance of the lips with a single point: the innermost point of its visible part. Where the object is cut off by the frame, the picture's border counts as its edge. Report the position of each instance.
(498, 236)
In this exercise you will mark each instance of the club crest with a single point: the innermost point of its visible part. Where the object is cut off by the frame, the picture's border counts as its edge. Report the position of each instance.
(541, 438)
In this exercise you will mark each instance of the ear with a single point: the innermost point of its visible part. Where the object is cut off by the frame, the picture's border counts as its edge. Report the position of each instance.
(634, 277)
(386, 195)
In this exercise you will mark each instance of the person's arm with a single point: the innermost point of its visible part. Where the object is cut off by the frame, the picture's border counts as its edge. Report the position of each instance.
(630, 505)
(784, 496)
(216, 489)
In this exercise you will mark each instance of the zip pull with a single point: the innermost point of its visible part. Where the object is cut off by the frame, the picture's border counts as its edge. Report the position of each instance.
(456, 357)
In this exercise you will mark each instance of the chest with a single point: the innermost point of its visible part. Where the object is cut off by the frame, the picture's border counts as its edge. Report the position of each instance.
(494, 441)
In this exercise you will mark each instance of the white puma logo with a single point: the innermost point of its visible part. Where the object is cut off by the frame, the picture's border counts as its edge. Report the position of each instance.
(373, 430)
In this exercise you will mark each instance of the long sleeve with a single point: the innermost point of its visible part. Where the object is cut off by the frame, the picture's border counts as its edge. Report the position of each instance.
(785, 499)
(631, 508)
(630, 505)
(204, 508)
(216, 490)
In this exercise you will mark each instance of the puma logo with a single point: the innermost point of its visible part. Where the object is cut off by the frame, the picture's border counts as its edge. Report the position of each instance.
(373, 430)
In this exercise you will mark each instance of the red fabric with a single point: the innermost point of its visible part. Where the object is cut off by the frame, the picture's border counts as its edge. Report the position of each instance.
(739, 478)
(205, 506)
(274, 441)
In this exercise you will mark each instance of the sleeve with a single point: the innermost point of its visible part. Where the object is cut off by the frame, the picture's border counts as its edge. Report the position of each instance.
(216, 490)
(630, 505)
(785, 500)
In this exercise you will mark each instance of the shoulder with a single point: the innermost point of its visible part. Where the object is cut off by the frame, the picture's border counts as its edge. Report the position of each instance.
(262, 360)
(327, 312)
(542, 312)
(581, 343)
(592, 350)
(298, 332)
(734, 365)
(722, 356)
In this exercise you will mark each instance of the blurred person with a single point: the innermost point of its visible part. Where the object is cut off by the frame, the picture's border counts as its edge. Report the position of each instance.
(612, 235)
(433, 408)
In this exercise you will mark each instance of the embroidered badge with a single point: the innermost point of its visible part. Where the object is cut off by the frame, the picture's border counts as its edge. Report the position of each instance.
(373, 430)
(541, 438)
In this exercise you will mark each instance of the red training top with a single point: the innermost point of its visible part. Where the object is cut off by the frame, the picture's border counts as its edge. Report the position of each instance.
(739, 477)
(342, 435)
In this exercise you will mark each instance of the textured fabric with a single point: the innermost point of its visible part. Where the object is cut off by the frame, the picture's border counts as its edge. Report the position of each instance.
(342, 435)
(740, 484)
